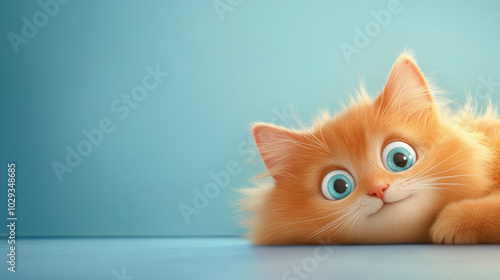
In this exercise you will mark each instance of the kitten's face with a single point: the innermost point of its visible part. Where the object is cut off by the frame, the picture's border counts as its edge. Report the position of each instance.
(379, 172)
(373, 179)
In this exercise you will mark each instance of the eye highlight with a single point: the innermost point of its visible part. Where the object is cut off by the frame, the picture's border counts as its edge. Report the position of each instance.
(398, 156)
(337, 185)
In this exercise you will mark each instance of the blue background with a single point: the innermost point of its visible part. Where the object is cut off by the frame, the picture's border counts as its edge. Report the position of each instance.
(250, 63)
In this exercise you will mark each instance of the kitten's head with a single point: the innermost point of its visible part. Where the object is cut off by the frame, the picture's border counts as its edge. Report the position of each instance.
(378, 172)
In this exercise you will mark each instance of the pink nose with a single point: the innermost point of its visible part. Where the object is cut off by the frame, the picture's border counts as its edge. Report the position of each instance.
(378, 191)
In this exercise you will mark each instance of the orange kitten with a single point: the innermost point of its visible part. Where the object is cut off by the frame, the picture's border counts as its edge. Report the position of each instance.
(393, 170)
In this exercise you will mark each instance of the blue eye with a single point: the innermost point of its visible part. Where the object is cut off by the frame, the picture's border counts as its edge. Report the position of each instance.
(337, 185)
(398, 156)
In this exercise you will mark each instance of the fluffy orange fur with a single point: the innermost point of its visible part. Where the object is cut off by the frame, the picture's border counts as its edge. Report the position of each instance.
(451, 195)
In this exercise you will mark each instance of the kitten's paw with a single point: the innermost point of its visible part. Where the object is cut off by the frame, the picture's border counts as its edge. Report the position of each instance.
(449, 233)
(466, 222)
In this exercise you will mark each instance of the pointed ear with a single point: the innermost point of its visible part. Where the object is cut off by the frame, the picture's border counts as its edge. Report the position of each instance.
(407, 92)
(276, 145)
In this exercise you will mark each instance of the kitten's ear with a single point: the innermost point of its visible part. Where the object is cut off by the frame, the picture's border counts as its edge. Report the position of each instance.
(276, 145)
(406, 91)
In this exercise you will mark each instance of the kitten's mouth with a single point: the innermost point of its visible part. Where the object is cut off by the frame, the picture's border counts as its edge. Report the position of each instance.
(388, 204)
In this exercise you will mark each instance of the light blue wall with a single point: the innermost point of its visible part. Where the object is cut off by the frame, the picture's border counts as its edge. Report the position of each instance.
(224, 72)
